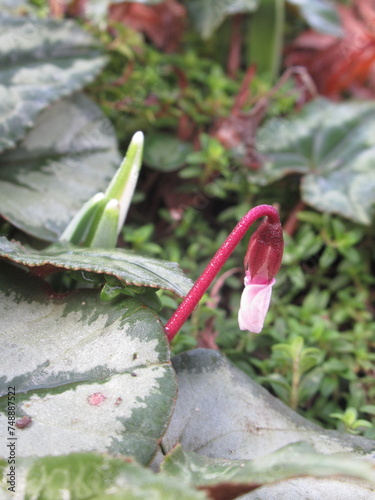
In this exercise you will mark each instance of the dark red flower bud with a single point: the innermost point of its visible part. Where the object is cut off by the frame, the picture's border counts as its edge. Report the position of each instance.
(265, 252)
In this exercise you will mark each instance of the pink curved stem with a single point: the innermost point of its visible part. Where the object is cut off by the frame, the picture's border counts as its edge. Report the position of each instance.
(221, 256)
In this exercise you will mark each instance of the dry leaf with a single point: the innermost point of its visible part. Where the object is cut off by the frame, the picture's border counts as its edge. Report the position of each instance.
(163, 23)
(341, 64)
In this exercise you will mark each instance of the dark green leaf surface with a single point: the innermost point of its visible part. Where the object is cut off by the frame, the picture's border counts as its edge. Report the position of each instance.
(333, 145)
(130, 268)
(322, 15)
(165, 153)
(207, 15)
(69, 156)
(41, 60)
(92, 376)
(93, 476)
(222, 414)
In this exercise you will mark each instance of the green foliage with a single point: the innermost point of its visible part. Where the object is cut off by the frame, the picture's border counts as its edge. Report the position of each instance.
(92, 364)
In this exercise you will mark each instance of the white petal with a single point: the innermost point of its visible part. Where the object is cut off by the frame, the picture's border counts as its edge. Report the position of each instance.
(255, 302)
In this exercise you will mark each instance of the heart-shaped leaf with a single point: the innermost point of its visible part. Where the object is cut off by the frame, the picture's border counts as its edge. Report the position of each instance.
(70, 155)
(165, 153)
(221, 413)
(333, 145)
(127, 266)
(94, 476)
(41, 60)
(88, 376)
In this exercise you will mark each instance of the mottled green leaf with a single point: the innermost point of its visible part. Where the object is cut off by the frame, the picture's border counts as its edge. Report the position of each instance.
(96, 477)
(207, 15)
(41, 60)
(221, 413)
(333, 145)
(70, 155)
(322, 15)
(129, 267)
(91, 376)
(165, 153)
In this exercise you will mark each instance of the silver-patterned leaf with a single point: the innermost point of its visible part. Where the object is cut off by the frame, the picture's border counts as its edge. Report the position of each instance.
(88, 376)
(41, 60)
(70, 155)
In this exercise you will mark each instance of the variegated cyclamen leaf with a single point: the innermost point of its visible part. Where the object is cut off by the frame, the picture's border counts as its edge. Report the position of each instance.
(128, 267)
(41, 60)
(70, 155)
(88, 376)
(333, 146)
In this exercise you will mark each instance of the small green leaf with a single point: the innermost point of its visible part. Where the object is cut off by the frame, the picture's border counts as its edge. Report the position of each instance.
(41, 61)
(91, 376)
(126, 266)
(166, 153)
(368, 409)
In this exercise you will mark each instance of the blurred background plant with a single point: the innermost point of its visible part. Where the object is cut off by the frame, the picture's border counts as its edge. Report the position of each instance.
(226, 118)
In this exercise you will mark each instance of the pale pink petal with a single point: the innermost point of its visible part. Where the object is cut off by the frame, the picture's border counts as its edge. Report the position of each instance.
(255, 302)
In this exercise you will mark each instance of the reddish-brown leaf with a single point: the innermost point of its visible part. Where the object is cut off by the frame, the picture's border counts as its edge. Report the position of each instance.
(340, 64)
(163, 23)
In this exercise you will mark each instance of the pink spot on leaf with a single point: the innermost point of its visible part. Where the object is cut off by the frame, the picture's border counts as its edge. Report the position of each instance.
(96, 399)
(23, 422)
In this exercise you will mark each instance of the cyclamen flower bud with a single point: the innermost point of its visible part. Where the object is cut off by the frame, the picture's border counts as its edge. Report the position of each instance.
(262, 261)
(265, 252)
